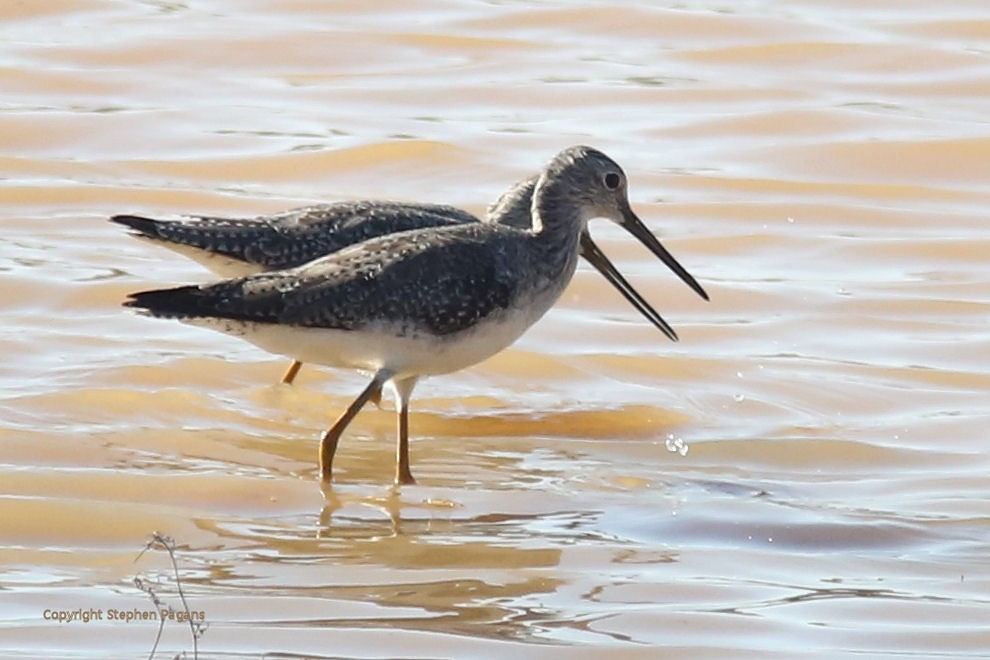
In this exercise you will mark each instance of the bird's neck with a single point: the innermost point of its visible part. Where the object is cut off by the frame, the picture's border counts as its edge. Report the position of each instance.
(557, 226)
(557, 219)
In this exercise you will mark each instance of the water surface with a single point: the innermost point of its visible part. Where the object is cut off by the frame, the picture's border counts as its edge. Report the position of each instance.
(804, 473)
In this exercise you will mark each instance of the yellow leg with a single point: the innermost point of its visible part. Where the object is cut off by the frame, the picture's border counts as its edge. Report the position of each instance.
(290, 373)
(328, 444)
(403, 475)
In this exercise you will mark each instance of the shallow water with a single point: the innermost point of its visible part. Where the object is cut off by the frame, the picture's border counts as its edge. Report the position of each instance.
(803, 474)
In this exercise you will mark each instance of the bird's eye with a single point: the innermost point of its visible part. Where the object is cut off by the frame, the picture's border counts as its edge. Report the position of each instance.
(612, 180)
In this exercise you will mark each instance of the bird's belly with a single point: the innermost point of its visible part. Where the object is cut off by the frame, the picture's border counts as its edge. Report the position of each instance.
(375, 348)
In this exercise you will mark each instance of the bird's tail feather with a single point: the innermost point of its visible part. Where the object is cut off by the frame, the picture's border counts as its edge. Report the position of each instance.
(142, 226)
(180, 302)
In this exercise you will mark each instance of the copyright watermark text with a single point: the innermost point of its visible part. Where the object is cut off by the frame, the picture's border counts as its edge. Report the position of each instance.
(81, 615)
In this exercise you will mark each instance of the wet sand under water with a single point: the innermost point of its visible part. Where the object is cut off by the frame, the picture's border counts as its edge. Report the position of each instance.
(803, 474)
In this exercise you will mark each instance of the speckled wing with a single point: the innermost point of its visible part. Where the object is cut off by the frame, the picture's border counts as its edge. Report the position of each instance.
(295, 237)
(436, 281)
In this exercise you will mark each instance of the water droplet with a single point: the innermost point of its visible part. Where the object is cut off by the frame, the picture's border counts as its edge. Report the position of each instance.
(676, 445)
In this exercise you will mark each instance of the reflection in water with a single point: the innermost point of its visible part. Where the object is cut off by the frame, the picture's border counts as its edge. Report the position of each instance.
(837, 593)
(412, 564)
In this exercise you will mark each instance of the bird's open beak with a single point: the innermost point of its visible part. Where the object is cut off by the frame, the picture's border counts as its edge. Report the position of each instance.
(601, 263)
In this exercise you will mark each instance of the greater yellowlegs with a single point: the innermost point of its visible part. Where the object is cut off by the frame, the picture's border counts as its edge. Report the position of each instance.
(235, 247)
(419, 302)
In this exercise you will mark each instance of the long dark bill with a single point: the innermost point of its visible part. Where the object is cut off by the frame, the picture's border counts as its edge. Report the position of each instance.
(635, 226)
(601, 263)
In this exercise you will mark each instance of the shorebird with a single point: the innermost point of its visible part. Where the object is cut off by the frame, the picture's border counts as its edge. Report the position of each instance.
(420, 302)
(236, 247)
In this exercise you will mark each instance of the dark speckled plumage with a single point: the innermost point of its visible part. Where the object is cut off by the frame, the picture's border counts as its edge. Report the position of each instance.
(438, 281)
(292, 238)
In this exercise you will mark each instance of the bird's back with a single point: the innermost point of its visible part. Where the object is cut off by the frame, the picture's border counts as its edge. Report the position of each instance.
(295, 237)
